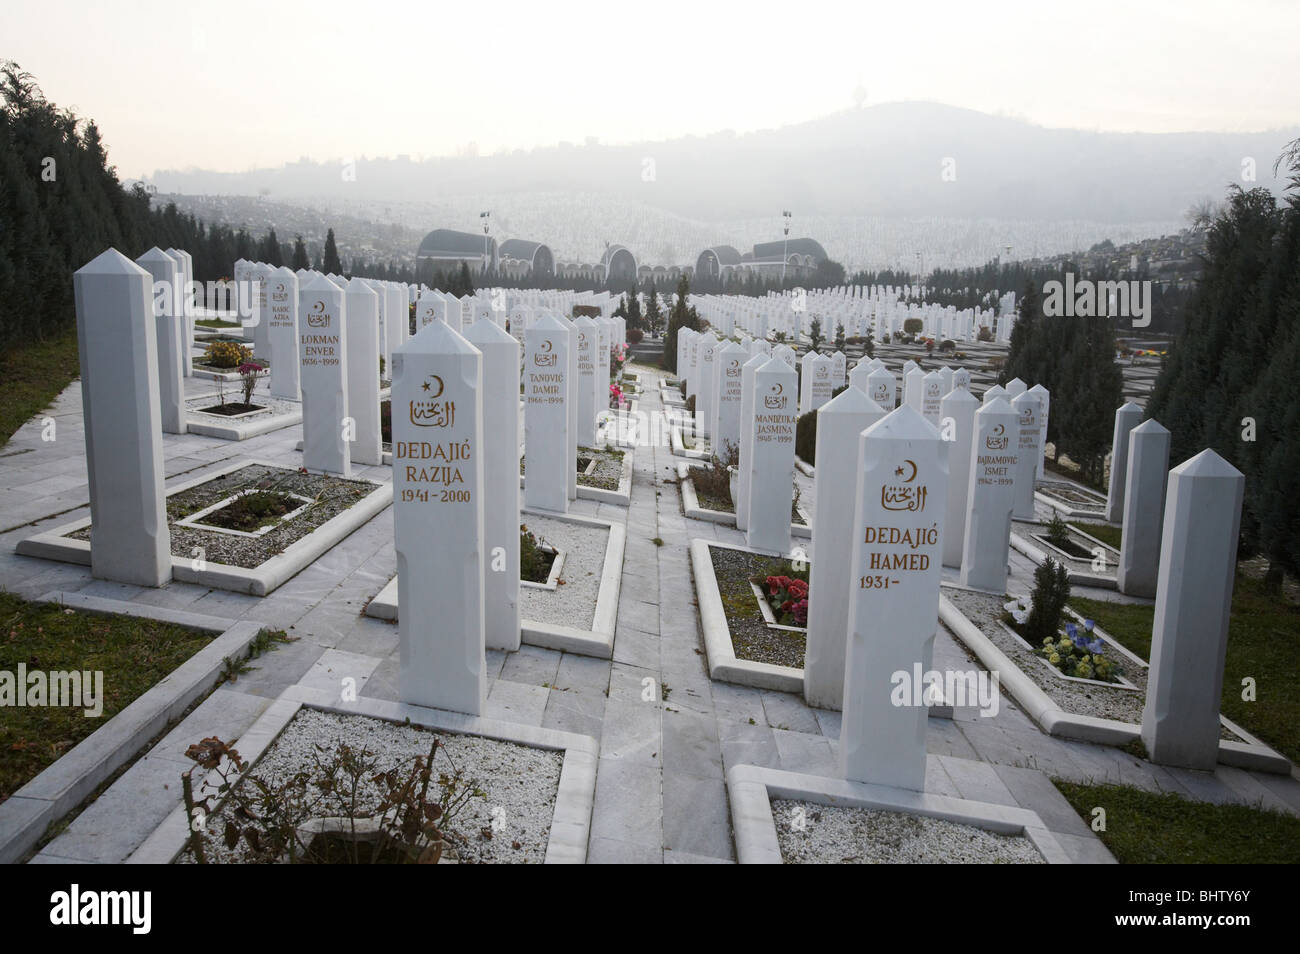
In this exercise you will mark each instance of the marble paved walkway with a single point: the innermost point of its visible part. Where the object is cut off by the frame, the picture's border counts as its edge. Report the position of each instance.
(667, 733)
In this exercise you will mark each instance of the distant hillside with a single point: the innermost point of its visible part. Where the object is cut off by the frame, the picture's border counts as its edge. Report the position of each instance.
(879, 161)
(867, 183)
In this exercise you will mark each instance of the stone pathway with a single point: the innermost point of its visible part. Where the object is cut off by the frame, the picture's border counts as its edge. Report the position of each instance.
(667, 733)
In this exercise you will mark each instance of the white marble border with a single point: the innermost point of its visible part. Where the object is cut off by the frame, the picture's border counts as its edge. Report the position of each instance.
(691, 506)
(570, 823)
(259, 581)
(1251, 754)
(62, 786)
(599, 640)
(751, 789)
(720, 655)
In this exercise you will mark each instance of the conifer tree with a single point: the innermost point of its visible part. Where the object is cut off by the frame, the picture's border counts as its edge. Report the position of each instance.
(332, 264)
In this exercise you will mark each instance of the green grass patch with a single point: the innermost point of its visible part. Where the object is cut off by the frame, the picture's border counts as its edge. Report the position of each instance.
(1263, 632)
(216, 323)
(1111, 536)
(1144, 828)
(32, 376)
(134, 654)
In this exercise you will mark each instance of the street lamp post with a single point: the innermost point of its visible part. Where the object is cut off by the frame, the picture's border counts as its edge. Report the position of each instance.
(785, 248)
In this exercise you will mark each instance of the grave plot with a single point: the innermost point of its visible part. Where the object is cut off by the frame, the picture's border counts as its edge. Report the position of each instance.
(708, 493)
(604, 474)
(813, 833)
(1070, 499)
(248, 527)
(344, 777)
(218, 414)
(1089, 561)
(685, 440)
(1089, 703)
(571, 609)
(749, 638)
(891, 621)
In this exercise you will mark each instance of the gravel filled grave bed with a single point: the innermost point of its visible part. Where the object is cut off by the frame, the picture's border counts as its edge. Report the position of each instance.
(607, 472)
(810, 833)
(330, 496)
(751, 637)
(573, 602)
(716, 494)
(1075, 497)
(519, 783)
(604, 476)
(198, 407)
(1091, 698)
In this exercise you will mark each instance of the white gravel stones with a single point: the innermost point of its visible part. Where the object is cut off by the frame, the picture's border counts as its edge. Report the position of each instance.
(809, 833)
(574, 603)
(520, 783)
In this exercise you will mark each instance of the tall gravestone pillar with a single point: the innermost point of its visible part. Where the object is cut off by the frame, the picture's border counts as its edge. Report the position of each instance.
(957, 410)
(728, 364)
(588, 384)
(1198, 562)
(1044, 406)
(840, 423)
(571, 403)
(746, 436)
(771, 469)
(363, 372)
(438, 520)
(882, 388)
(323, 356)
(894, 598)
(706, 361)
(1126, 418)
(118, 347)
(1025, 406)
(500, 457)
(281, 318)
(263, 274)
(991, 497)
(932, 393)
(547, 392)
(1144, 504)
(165, 300)
(183, 309)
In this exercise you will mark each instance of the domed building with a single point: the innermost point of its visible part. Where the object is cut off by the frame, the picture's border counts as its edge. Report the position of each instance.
(619, 264)
(536, 259)
(717, 261)
(447, 248)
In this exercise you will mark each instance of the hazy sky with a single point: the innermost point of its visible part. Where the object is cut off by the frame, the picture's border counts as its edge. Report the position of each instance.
(236, 85)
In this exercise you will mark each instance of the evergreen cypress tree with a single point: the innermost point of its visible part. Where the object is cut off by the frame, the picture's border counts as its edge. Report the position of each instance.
(332, 264)
(300, 259)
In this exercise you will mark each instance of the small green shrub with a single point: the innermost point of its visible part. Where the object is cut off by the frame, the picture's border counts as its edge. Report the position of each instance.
(805, 438)
(1051, 592)
(1058, 534)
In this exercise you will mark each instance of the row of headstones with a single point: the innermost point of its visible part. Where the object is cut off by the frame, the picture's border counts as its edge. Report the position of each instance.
(278, 322)
(878, 314)
(456, 500)
(875, 581)
(452, 476)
